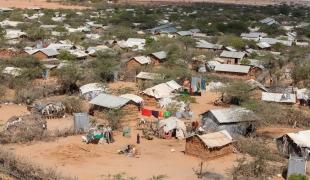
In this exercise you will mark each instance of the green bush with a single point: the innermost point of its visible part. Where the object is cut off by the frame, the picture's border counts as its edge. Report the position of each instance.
(297, 177)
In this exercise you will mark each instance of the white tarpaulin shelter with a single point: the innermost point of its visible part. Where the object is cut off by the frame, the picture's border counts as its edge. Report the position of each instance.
(162, 90)
(279, 97)
(92, 87)
(173, 123)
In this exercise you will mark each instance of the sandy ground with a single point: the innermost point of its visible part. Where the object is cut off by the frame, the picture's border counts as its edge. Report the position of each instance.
(74, 158)
(36, 3)
(9, 110)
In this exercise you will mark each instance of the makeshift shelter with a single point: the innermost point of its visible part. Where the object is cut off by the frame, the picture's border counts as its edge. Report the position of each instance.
(303, 96)
(172, 127)
(296, 144)
(13, 71)
(204, 45)
(287, 98)
(268, 21)
(162, 90)
(50, 110)
(232, 57)
(91, 90)
(237, 121)
(109, 101)
(166, 28)
(133, 98)
(210, 145)
(44, 53)
(296, 165)
(19, 128)
(149, 76)
(232, 69)
(158, 57)
(138, 62)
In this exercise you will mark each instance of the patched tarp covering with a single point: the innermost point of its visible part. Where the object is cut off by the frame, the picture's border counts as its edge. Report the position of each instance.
(91, 87)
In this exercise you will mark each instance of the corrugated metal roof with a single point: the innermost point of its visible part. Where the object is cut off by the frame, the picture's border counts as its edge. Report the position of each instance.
(231, 54)
(253, 35)
(230, 115)
(206, 45)
(160, 55)
(109, 101)
(142, 59)
(59, 46)
(296, 165)
(150, 76)
(47, 51)
(173, 84)
(232, 68)
(132, 97)
(184, 33)
(216, 139)
(279, 97)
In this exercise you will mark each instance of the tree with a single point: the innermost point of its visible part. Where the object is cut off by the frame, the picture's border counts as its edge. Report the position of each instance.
(68, 78)
(187, 41)
(236, 92)
(105, 65)
(2, 33)
(66, 55)
(232, 40)
(301, 73)
(36, 33)
(76, 37)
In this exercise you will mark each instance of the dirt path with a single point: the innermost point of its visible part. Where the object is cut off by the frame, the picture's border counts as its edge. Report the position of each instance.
(36, 3)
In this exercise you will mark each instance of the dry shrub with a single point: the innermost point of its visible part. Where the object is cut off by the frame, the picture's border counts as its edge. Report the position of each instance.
(73, 105)
(23, 129)
(259, 168)
(23, 169)
(258, 148)
(33, 93)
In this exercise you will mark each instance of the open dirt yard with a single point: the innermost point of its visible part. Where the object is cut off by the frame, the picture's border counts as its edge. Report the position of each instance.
(36, 3)
(74, 158)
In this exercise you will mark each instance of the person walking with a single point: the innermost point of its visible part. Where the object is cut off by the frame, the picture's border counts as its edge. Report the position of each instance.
(138, 138)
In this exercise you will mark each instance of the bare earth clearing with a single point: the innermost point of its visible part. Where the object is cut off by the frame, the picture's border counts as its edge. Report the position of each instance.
(74, 158)
(36, 3)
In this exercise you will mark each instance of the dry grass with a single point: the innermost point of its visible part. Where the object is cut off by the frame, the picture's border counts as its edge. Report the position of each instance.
(23, 169)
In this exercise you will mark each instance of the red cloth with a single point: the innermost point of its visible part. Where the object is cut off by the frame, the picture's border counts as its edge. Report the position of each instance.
(146, 112)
